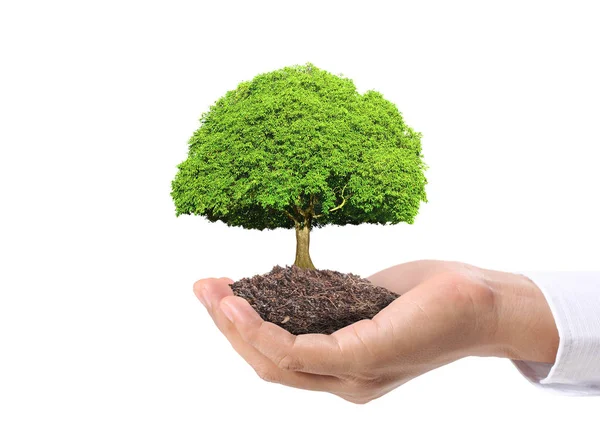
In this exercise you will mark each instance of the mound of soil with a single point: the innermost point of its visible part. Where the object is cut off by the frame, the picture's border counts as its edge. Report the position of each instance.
(312, 301)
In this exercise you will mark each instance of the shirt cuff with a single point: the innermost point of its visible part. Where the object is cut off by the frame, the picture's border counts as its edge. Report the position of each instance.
(574, 300)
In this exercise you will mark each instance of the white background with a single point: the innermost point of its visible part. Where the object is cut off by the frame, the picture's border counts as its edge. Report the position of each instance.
(100, 333)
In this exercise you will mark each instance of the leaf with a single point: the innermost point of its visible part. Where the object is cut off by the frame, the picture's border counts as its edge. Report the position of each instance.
(300, 136)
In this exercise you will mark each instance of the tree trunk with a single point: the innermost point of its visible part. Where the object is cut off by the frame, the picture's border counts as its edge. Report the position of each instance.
(302, 246)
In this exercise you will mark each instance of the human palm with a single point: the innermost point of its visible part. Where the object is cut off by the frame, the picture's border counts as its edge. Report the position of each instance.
(446, 311)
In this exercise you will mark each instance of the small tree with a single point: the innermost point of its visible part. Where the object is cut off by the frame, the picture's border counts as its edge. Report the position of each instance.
(301, 148)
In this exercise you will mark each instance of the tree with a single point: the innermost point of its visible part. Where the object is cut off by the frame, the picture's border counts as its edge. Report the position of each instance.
(301, 148)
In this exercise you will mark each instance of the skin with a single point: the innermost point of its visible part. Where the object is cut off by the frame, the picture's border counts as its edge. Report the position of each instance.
(446, 311)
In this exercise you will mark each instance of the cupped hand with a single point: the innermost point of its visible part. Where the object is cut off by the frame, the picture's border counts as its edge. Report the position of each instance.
(445, 311)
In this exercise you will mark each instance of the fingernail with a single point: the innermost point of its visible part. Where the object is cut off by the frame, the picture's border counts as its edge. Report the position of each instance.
(228, 311)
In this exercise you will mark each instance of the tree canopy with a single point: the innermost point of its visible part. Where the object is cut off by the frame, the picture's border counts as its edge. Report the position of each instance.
(301, 142)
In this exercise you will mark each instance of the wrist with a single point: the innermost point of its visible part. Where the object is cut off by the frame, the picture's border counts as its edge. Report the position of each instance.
(524, 326)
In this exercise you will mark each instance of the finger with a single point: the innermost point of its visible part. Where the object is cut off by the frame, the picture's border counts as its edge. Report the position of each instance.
(212, 291)
(266, 369)
(403, 277)
(200, 288)
(269, 372)
(429, 324)
(310, 353)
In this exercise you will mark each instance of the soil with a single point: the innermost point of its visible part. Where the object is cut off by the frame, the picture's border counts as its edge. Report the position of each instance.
(312, 301)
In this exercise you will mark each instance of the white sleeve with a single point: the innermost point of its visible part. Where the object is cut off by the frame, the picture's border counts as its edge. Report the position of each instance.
(574, 300)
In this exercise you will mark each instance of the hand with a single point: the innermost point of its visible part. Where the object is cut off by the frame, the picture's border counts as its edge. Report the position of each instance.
(446, 311)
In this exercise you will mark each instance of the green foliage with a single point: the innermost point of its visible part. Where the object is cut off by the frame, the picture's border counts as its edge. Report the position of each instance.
(300, 141)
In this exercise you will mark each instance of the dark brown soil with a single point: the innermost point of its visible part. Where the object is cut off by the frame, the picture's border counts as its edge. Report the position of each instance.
(312, 301)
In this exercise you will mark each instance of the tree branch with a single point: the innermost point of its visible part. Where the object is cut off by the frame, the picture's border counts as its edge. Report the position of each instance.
(311, 208)
(343, 189)
(298, 209)
(340, 205)
(344, 199)
(291, 216)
